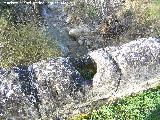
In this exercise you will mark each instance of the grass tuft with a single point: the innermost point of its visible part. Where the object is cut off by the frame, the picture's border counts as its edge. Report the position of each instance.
(143, 106)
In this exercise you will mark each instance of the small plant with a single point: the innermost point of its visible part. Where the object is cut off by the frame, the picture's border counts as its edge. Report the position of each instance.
(24, 45)
(143, 106)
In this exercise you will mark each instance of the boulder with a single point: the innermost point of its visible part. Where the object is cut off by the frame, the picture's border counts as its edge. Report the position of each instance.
(43, 90)
(53, 88)
(59, 85)
(132, 67)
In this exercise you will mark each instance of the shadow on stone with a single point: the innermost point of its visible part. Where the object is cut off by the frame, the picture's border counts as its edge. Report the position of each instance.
(86, 67)
(27, 82)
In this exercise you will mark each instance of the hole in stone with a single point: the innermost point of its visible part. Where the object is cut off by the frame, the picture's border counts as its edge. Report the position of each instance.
(87, 68)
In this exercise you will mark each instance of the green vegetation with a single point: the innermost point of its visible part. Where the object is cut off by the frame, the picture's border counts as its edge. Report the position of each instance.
(21, 40)
(24, 44)
(143, 106)
(21, 12)
(142, 18)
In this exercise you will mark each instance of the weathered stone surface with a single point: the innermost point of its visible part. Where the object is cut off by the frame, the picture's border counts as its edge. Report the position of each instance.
(18, 100)
(129, 68)
(53, 88)
(108, 74)
(139, 62)
(59, 85)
